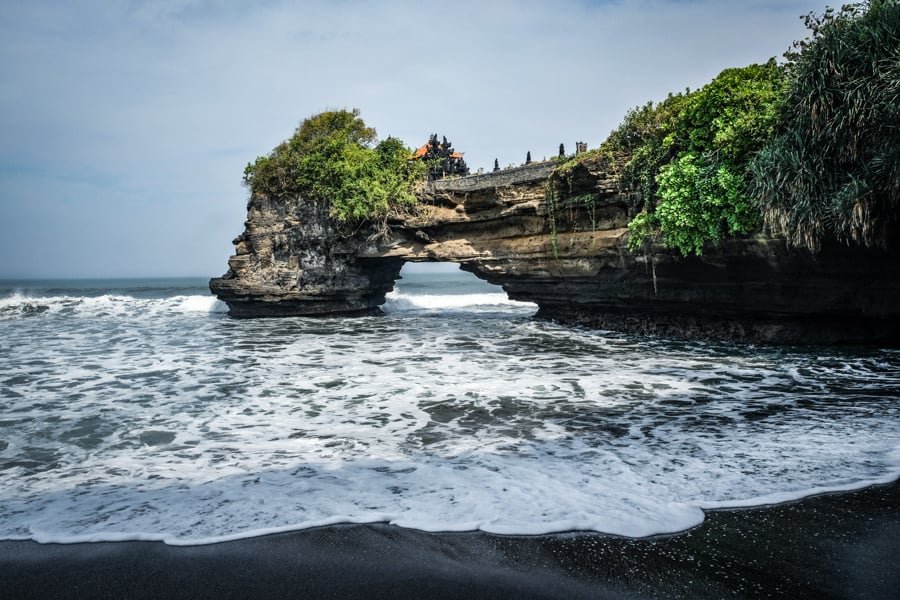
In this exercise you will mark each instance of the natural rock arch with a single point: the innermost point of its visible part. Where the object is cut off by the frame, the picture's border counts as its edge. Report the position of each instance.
(567, 256)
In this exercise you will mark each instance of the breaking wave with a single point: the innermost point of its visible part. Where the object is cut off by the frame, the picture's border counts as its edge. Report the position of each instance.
(20, 305)
(399, 302)
(125, 417)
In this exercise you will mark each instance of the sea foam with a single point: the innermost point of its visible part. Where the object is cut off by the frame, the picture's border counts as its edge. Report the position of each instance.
(157, 419)
(20, 305)
(398, 301)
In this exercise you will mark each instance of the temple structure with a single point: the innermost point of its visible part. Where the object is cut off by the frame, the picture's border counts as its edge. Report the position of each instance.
(442, 159)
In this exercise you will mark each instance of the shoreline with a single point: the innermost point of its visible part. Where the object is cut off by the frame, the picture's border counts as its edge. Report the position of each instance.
(834, 545)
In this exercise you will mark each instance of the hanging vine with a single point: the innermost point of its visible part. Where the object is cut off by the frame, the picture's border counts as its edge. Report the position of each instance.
(550, 199)
(589, 201)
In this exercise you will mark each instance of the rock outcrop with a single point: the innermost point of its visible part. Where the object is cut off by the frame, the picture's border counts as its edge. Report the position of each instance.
(566, 252)
(292, 260)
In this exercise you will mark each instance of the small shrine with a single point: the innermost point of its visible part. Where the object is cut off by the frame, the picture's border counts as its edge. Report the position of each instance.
(441, 158)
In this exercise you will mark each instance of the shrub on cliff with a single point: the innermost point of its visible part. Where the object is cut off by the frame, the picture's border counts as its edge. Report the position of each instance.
(689, 154)
(645, 139)
(833, 168)
(332, 159)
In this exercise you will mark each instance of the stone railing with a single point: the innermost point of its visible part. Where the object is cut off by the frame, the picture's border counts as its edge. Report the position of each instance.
(514, 176)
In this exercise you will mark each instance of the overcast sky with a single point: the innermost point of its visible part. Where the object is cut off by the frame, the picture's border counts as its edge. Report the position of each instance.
(125, 126)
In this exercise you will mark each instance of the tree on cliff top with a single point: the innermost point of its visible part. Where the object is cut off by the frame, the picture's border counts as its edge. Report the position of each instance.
(332, 159)
(833, 168)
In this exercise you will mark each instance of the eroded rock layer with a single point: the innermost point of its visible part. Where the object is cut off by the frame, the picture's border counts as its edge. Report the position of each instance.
(566, 252)
(291, 260)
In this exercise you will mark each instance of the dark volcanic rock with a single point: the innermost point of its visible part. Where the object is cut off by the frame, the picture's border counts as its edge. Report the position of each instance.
(753, 290)
(568, 254)
(291, 260)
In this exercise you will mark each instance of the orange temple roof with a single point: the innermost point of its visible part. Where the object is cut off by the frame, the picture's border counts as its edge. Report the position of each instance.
(423, 150)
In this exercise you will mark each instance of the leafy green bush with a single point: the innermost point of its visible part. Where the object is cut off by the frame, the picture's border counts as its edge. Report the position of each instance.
(833, 168)
(646, 137)
(701, 202)
(331, 160)
(689, 156)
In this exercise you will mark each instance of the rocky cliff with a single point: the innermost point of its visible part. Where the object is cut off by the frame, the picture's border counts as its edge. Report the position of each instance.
(566, 252)
(292, 260)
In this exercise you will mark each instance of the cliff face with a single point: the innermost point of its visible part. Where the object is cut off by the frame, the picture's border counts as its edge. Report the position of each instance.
(291, 260)
(567, 256)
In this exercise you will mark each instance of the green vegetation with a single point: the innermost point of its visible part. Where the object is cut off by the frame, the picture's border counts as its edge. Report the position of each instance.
(332, 159)
(810, 148)
(689, 155)
(833, 168)
(552, 209)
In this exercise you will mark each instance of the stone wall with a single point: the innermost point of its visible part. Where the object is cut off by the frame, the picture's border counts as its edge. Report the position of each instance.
(523, 174)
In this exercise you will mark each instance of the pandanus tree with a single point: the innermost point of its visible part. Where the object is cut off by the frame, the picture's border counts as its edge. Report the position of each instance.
(832, 170)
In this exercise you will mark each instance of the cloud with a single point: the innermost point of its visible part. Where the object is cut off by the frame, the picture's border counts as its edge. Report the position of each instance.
(127, 125)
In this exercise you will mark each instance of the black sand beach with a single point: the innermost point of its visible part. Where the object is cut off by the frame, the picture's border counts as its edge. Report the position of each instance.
(831, 546)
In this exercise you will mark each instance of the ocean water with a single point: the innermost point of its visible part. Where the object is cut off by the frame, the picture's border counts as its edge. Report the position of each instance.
(136, 409)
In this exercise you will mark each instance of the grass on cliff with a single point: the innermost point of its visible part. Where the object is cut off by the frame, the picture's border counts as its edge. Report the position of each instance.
(333, 159)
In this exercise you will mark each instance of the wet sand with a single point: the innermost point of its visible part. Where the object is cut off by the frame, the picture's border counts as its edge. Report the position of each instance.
(831, 546)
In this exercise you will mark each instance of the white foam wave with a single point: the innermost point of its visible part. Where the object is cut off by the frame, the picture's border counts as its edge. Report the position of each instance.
(154, 424)
(199, 304)
(19, 305)
(793, 495)
(399, 302)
